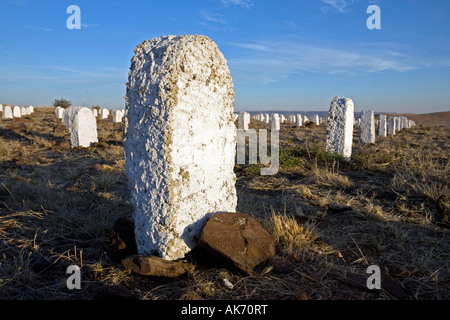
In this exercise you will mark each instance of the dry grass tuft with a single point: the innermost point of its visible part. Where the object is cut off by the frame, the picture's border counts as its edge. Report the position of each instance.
(289, 234)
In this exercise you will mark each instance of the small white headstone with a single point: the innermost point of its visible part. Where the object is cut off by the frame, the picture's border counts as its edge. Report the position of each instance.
(382, 126)
(367, 127)
(82, 126)
(17, 112)
(316, 119)
(275, 122)
(299, 120)
(7, 113)
(391, 126)
(104, 113)
(243, 120)
(59, 111)
(24, 111)
(117, 116)
(397, 123)
(340, 126)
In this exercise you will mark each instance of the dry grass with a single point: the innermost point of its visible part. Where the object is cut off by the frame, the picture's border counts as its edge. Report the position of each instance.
(329, 217)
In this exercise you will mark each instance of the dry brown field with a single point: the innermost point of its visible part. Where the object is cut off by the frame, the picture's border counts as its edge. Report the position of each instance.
(330, 218)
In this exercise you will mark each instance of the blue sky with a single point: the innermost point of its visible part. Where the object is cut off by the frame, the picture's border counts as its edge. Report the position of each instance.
(282, 54)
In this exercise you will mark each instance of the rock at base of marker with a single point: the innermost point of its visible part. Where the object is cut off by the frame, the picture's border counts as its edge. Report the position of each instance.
(237, 238)
(155, 266)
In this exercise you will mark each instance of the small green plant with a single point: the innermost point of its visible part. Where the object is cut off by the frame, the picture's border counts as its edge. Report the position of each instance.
(288, 159)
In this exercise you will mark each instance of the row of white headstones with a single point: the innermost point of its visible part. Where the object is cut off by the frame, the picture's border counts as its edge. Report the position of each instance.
(9, 112)
(81, 121)
(102, 113)
(366, 122)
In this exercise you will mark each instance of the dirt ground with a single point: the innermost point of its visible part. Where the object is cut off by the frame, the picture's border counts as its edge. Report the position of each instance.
(330, 218)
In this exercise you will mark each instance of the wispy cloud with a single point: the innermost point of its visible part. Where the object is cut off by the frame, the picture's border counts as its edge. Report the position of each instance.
(267, 62)
(213, 16)
(86, 25)
(339, 5)
(38, 28)
(63, 74)
(241, 3)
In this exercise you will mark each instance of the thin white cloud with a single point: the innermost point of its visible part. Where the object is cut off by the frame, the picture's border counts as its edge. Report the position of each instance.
(267, 62)
(38, 28)
(86, 25)
(241, 3)
(339, 5)
(213, 17)
(63, 74)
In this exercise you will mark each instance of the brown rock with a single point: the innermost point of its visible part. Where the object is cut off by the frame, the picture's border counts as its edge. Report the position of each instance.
(238, 238)
(155, 266)
(311, 125)
(122, 242)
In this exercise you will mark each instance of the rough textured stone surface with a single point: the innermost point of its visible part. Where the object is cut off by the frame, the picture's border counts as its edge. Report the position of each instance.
(340, 126)
(382, 126)
(7, 113)
(180, 141)
(155, 266)
(367, 127)
(238, 238)
(391, 126)
(275, 122)
(82, 126)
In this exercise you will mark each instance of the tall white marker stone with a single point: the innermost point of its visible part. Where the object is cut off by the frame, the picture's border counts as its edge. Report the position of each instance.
(340, 126)
(82, 126)
(299, 120)
(391, 126)
(382, 126)
(275, 122)
(180, 141)
(367, 127)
